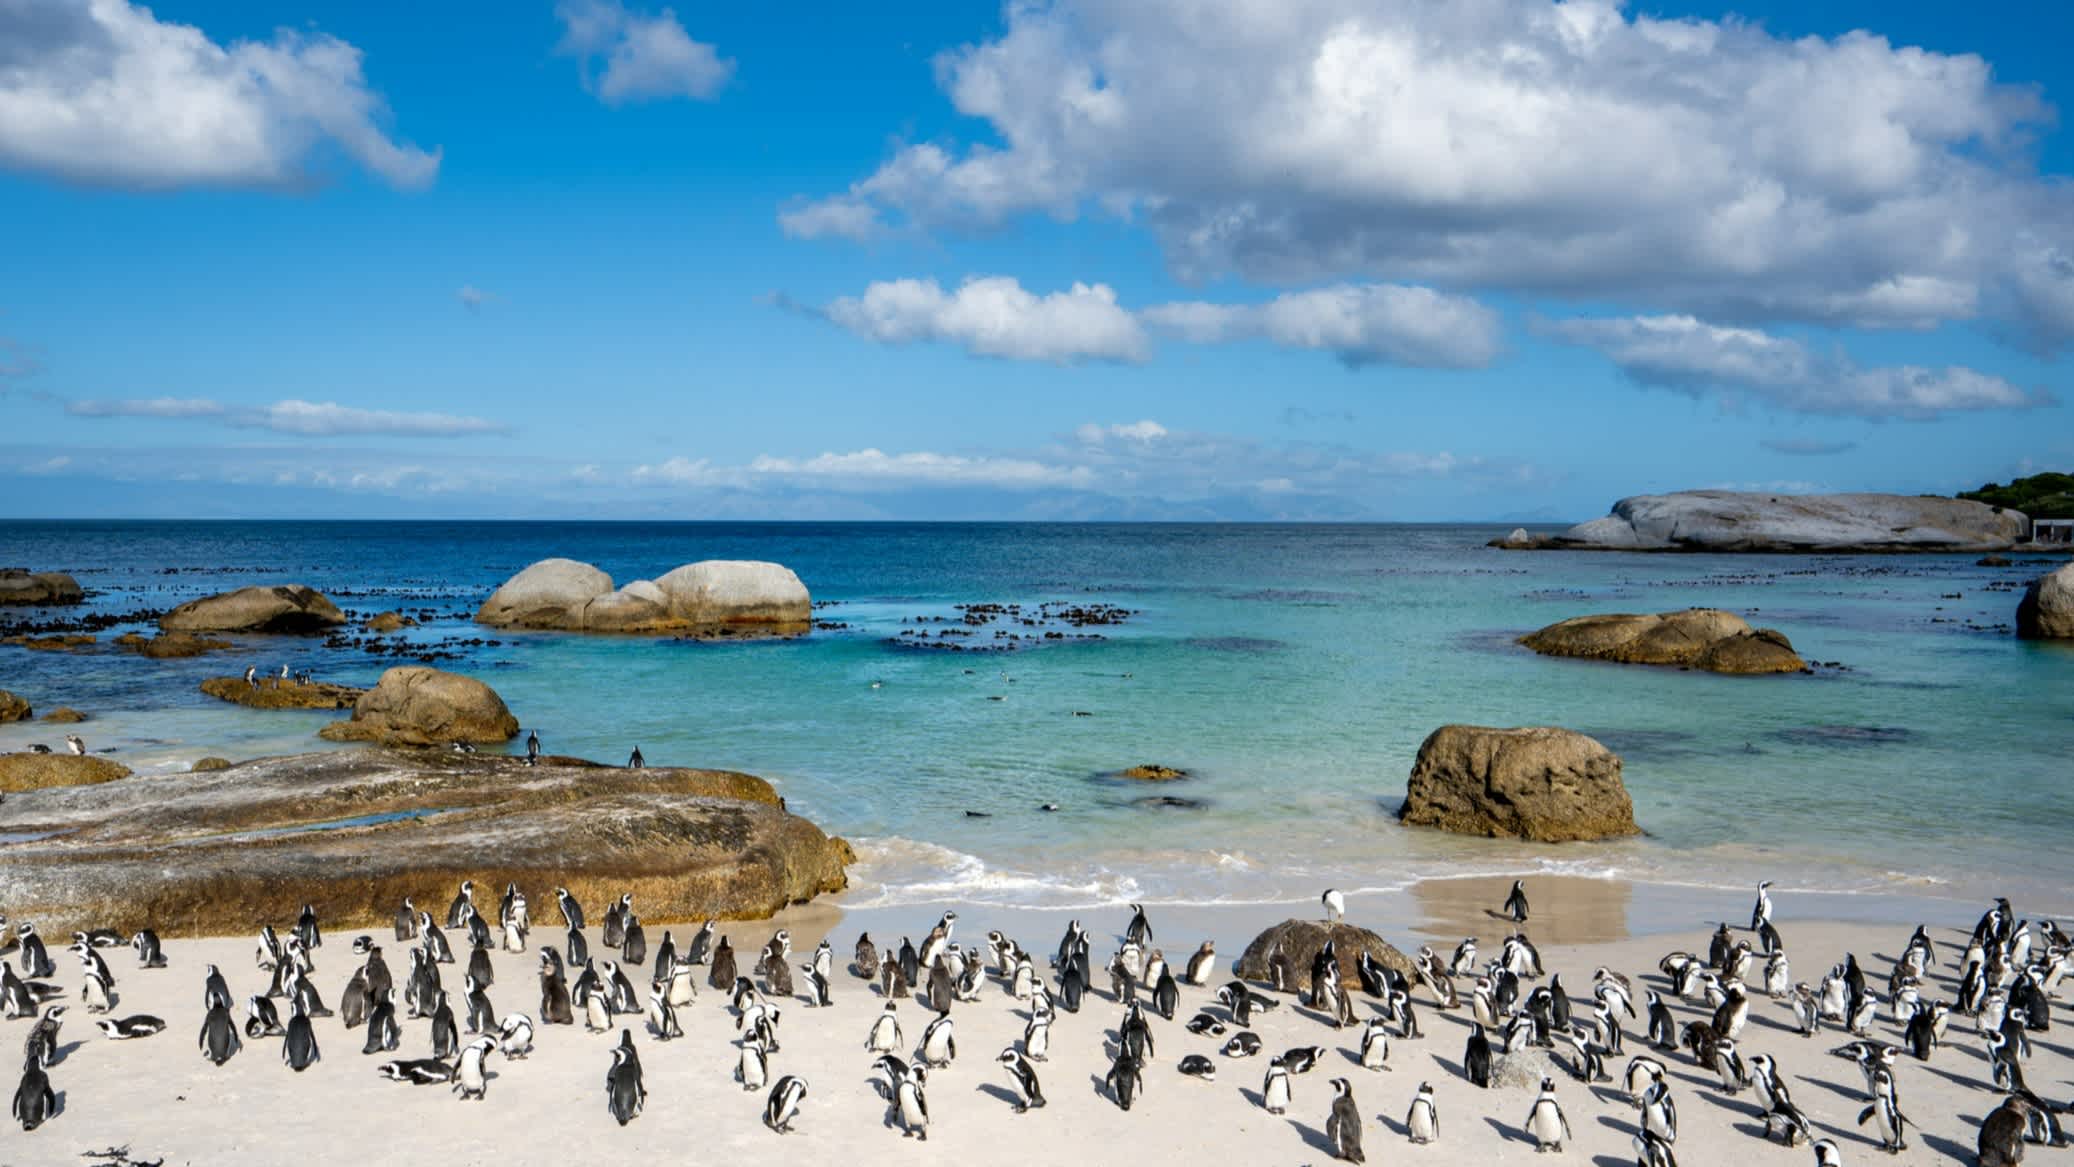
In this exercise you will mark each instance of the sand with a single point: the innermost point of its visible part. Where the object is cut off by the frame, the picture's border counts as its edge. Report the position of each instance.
(162, 1100)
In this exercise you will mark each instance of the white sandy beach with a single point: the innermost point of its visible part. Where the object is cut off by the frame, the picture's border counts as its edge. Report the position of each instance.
(159, 1097)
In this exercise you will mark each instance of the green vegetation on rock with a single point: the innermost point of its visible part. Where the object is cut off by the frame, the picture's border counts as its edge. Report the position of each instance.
(2041, 496)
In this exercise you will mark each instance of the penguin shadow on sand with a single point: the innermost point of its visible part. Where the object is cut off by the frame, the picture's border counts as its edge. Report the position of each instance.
(1612, 1096)
(1314, 1138)
(1395, 1126)
(1855, 1093)
(1624, 1129)
(1958, 1079)
(1610, 1161)
(1509, 1132)
(1950, 1147)
(992, 1090)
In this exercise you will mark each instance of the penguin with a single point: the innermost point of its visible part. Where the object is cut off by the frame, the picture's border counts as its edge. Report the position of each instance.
(34, 1101)
(149, 954)
(446, 1035)
(478, 930)
(782, 1107)
(555, 1007)
(1335, 909)
(76, 744)
(1375, 1045)
(482, 1018)
(1274, 1088)
(252, 675)
(1642, 1072)
(613, 933)
(219, 1037)
(96, 995)
(1242, 1045)
(722, 974)
(662, 1016)
(1343, 1125)
(1205, 1022)
(624, 1093)
(666, 957)
(42, 1046)
(1140, 928)
(1302, 1059)
(1545, 1121)
(636, 762)
(597, 1010)
(1025, 1075)
(1037, 1037)
(1728, 1063)
(1407, 1017)
(515, 1036)
(1786, 1123)
(572, 912)
(457, 911)
(866, 963)
(1660, 1111)
(1203, 965)
(470, 1079)
(1761, 912)
(1422, 1122)
(700, 948)
(383, 1032)
(433, 941)
(1651, 1151)
(260, 1018)
(1515, 908)
(884, 1037)
(1476, 1058)
(817, 986)
(752, 1064)
(417, 1071)
(137, 1025)
(1886, 1107)
(939, 1044)
(299, 1050)
(1663, 1028)
(406, 921)
(912, 1106)
(35, 958)
(1125, 1079)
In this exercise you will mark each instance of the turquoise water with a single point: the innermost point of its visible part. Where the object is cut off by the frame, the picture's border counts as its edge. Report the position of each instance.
(1293, 669)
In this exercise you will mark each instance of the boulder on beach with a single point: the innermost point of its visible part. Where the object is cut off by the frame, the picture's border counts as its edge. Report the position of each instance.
(275, 693)
(1701, 638)
(19, 772)
(1152, 772)
(64, 715)
(1302, 940)
(1539, 783)
(2047, 610)
(170, 645)
(205, 765)
(22, 586)
(1729, 520)
(416, 706)
(352, 832)
(705, 598)
(13, 708)
(285, 608)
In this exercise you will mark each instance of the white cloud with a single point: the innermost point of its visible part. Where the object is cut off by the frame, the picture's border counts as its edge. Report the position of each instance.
(994, 316)
(646, 57)
(1147, 430)
(1568, 148)
(103, 92)
(1365, 324)
(1693, 356)
(302, 418)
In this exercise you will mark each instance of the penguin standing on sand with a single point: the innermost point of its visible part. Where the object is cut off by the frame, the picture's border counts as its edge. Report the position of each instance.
(1375, 1045)
(572, 912)
(1025, 1075)
(533, 746)
(1516, 904)
(783, 1104)
(34, 1101)
(1274, 1088)
(867, 957)
(624, 1093)
(515, 1036)
(42, 1046)
(1037, 1037)
(470, 1079)
(1886, 1107)
(1343, 1125)
(1761, 912)
(635, 762)
(299, 1050)
(1476, 1058)
(939, 1044)
(1203, 965)
(1545, 1121)
(1422, 1122)
(149, 954)
(219, 1039)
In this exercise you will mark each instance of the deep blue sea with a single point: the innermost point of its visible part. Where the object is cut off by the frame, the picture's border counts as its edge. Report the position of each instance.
(1292, 669)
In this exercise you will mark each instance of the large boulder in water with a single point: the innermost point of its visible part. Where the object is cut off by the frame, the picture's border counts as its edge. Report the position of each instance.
(549, 594)
(352, 832)
(287, 608)
(13, 708)
(20, 772)
(1302, 940)
(1701, 638)
(415, 706)
(1542, 784)
(275, 693)
(712, 597)
(2047, 610)
(1729, 520)
(21, 586)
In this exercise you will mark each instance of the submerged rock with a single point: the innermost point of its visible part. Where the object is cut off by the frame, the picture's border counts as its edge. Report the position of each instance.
(415, 706)
(20, 586)
(64, 715)
(1701, 638)
(1728, 520)
(63, 642)
(353, 832)
(1153, 773)
(384, 622)
(275, 693)
(286, 608)
(170, 645)
(2047, 610)
(13, 708)
(1539, 783)
(713, 597)
(41, 771)
(1302, 940)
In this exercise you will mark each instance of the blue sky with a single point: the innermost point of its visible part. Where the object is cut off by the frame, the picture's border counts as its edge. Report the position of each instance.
(1304, 259)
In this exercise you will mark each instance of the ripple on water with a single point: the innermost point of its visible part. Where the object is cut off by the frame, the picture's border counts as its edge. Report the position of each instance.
(1846, 736)
(1256, 645)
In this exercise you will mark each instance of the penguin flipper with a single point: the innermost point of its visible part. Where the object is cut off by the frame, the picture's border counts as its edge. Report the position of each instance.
(1865, 1116)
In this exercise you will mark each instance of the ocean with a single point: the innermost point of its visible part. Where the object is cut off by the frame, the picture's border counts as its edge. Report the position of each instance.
(1293, 670)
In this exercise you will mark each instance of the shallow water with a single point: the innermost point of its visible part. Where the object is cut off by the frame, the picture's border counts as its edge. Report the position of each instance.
(1292, 670)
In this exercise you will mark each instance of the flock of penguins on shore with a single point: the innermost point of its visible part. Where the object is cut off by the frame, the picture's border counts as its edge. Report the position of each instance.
(2010, 969)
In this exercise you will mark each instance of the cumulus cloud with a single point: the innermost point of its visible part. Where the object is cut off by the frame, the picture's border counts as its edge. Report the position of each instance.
(301, 418)
(1364, 324)
(1515, 144)
(1140, 432)
(646, 58)
(1807, 447)
(103, 92)
(1693, 356)
(995, 316)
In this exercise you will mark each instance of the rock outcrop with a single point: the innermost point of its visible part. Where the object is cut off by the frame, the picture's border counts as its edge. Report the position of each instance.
(62, 642)
(170, 645)
(353, 832)
(205, 765)
(286, 608)
(2047, 610)
(1541, 784)
(1727, 520)
(13, 708)
(1700, 638)
(1153, 772)
(415, 706)
(1302, 940)
(275, 693)
(20, 772)
(21, 586)
(713, 597)
(64, 715)
(386, 622)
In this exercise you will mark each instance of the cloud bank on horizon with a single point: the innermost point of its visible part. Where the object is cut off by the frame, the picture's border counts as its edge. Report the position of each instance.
(1456, 242)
